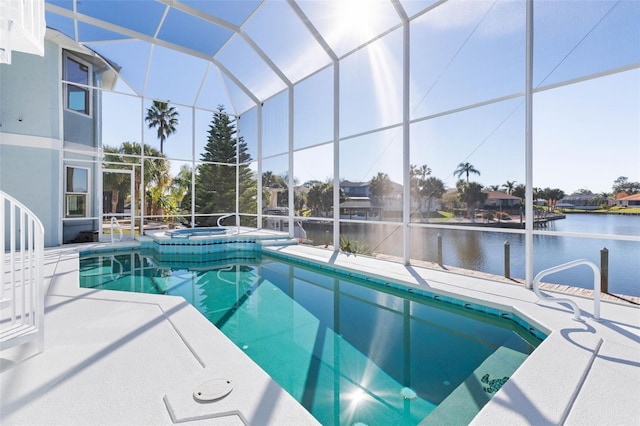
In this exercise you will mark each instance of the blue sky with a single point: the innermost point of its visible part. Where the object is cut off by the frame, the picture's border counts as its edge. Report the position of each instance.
(586, 134)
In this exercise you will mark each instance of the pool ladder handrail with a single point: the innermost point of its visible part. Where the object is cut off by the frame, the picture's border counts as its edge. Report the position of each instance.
(115, 222)
(114, 262)
(574, 306)
(219, 221)
(226, 269)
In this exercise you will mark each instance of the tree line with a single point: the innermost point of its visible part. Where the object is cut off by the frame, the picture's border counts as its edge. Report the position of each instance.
(225, 160)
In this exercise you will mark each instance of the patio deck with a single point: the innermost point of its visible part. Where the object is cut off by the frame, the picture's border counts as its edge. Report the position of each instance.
(127, 358)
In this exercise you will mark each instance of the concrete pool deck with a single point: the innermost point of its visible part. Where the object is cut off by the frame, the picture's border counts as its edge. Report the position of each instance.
(128, 358)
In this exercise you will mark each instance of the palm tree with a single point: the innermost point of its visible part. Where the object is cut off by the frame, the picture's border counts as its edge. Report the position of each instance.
(418, 176)
(433, 188)
(555, 195)
(380, 185)
(519, 190)
(471, 194)
(268, 179)
(156, 168)
(509, 186)
(320, 199)
(163, 117)
(181, 187)
(465, 169)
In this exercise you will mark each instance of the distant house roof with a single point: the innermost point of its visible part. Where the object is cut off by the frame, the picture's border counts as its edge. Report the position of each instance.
(395, 187)
(621, 195)
(497, 195)
(578, 197)
(348, 183)
(634, 197)
(301, 189)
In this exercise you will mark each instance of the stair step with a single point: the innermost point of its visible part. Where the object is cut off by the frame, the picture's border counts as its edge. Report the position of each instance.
(16, 331)
(462, 405)
(279, 242)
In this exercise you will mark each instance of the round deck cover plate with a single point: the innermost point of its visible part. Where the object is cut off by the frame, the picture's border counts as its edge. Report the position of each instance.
(212, 390)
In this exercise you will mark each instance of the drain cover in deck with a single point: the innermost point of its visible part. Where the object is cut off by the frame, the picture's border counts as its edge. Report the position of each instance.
(213, 390)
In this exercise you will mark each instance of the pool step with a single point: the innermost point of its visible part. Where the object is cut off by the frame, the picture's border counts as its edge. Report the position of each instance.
(270, 242)
(462, 405)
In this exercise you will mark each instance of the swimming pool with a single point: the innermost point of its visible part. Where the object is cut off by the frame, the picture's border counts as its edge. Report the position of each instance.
(350, 350)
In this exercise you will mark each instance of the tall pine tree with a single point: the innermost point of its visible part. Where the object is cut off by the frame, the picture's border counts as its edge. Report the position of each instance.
(216, 183)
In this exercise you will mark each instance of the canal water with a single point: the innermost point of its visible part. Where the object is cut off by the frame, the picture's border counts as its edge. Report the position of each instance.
(484, 251)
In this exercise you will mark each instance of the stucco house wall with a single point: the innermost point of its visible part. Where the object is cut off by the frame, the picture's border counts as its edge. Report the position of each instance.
(30, 135)
(36, 129)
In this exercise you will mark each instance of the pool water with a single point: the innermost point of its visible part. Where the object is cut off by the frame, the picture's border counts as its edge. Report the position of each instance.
(349, 351)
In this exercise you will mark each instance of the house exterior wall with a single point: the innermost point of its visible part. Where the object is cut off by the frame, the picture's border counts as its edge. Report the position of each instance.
(30, 181)
(30, 135)
(33, 142)
(580, 201)
(29, 90)
(632, 201)
(78, 129)
(356, 189)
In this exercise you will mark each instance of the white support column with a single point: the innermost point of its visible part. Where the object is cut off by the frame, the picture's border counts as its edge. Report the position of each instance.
(291, 180)
(99, 185)
(193, 167)
(406, 158)
(62, 192)
(529, 150)
(259, 172)
(237, 212)
(336, 155)
(60, 151)
(139, 190)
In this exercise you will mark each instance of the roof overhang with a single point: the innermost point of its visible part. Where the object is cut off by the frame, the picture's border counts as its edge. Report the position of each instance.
(108, 69)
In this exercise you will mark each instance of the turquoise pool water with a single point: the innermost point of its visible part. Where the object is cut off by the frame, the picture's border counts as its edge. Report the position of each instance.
(350, 350)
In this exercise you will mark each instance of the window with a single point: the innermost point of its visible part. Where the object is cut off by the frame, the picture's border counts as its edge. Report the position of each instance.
(76, 191)
(77, 98)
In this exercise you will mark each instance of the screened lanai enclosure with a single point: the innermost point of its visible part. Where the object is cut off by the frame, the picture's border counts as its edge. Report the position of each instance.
(420, 130)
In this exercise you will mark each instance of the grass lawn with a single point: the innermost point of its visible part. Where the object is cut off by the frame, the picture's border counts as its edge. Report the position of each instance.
(612, 210)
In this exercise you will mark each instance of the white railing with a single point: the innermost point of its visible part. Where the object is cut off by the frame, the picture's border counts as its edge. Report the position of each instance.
(226, 269)
(574, 306)
(21, 275)
(22, 28)
(114, 262)
(115, 224)
(219, 221)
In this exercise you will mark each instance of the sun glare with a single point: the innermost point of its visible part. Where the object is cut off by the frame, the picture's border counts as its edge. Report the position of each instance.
(356, 18)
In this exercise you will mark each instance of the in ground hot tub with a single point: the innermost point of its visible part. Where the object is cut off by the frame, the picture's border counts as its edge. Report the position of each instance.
(195, 232)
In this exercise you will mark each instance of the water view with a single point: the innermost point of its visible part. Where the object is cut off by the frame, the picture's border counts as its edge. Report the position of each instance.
(484, 251)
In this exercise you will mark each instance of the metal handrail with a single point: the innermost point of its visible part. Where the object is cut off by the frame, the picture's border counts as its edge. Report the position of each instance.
(115, 261)
(226, 269)
(219, 221)
(574, 306)
(115, 222)
(22, 285)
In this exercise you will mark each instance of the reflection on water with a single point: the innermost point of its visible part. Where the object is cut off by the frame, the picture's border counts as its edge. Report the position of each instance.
(349, 351)
(484, 251)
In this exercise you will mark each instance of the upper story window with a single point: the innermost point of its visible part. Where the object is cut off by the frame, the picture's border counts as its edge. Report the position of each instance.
(77, 98)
